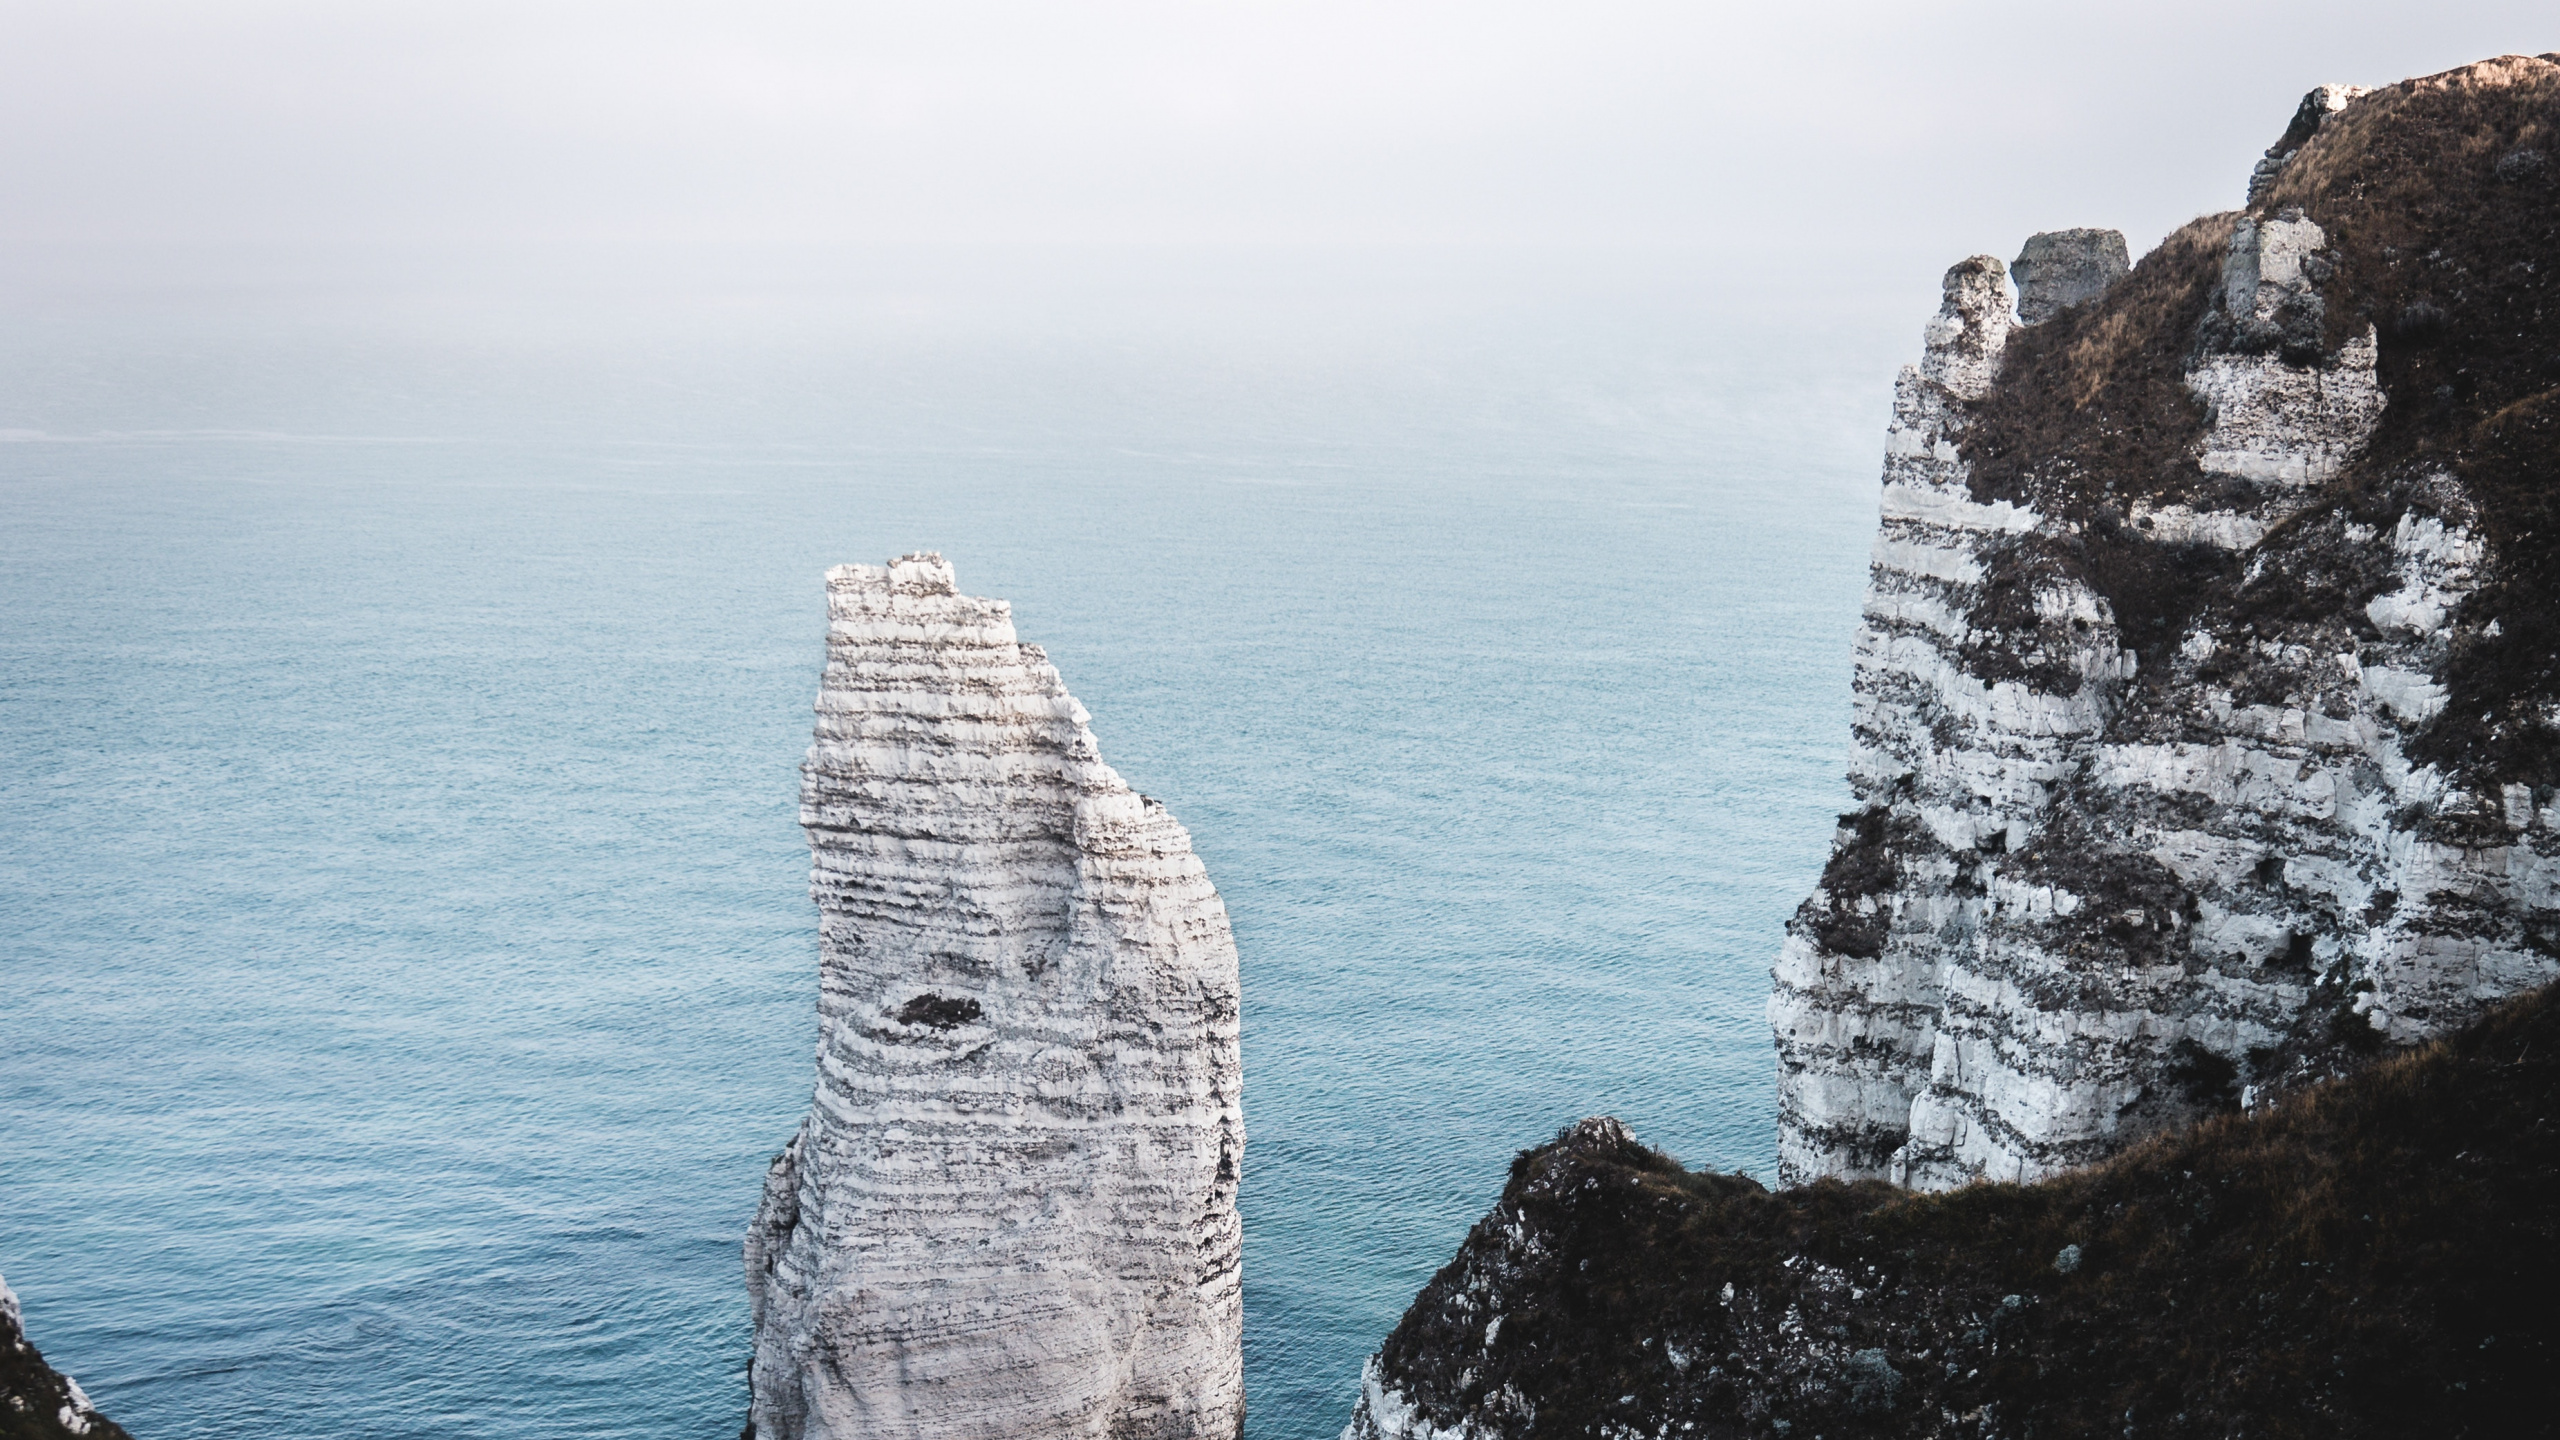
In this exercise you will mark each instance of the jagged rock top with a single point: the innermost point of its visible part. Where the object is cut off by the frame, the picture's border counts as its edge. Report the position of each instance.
(2402, 214)
(2066, 267)
(1010, 1212)
(2315, 109)
(2208, 688)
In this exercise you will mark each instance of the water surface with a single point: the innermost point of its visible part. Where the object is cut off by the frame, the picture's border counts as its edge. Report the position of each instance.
(408, 962)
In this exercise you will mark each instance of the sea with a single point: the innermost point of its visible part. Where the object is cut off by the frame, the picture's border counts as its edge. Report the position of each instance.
(406, 961)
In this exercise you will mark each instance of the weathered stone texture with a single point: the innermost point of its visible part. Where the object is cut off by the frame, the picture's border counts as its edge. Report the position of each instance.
(2088, 883)
(1011, 1209)
(2066, 267)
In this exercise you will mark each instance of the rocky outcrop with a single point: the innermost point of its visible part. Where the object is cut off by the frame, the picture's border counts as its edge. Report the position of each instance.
(2316, 107)
(38, 1402)
(2370, 1257)
(2062, 268)
(2207, 758)
(1011, 1209)
(2206, 731)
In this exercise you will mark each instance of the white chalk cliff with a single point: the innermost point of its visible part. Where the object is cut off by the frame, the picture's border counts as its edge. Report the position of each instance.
(2205, 748)
(2096, 882)
(1011, 1211)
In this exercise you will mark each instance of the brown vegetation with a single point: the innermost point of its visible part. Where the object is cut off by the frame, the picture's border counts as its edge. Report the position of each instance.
(2372, 1257)
(2440, 198)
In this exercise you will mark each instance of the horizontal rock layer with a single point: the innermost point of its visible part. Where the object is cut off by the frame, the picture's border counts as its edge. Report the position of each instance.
(2205, 729)
(1011, 1209)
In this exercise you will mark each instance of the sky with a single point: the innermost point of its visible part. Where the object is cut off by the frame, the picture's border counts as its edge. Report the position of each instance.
(141, 142)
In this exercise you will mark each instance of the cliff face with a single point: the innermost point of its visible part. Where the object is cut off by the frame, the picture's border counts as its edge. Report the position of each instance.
(38, 1402)
(2368, 1257)
(2208, 689)
(1011, 1209)
(2207, 758)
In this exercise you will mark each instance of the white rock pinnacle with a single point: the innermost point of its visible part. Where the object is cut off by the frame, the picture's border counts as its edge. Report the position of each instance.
(1011, 1211)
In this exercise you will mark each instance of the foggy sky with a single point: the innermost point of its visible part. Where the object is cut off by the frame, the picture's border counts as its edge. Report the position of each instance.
(1873, 130)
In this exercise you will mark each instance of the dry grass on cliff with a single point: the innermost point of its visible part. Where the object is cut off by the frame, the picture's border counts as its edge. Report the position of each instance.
(2374, 1257)
(2091, 414)
(2441, 198)
(2092, 405)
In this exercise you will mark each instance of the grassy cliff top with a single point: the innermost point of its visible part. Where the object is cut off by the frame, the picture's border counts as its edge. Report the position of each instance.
(2369, 1257)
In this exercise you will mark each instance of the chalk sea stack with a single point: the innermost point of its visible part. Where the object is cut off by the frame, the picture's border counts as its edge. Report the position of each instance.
(1011, 1209)
(2206, 758)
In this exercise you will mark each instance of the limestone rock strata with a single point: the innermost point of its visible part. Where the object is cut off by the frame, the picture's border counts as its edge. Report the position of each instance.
(2159, 804)
(1011, 1209)
(38, 1402)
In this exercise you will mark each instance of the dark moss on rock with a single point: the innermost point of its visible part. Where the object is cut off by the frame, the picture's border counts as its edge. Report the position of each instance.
(2369, 1257)
(36, 1401)
(2443, 237)
(1851, 913)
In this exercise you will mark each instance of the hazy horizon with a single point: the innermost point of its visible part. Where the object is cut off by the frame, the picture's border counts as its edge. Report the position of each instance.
(590, 155)
(1438, 443)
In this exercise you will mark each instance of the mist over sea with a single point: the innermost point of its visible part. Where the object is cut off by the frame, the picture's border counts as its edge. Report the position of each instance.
(407, 959)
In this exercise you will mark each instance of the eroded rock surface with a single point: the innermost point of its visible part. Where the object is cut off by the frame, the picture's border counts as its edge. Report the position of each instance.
(2207, 745)
(2206, 734)
(1011, 1209)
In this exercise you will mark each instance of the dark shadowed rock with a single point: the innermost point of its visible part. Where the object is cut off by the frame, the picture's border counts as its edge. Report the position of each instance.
(2065, 267)
(38, 1402)
(2368, 1259)
(2315, 110)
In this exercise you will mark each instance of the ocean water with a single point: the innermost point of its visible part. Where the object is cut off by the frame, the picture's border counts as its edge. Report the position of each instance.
(406, 967)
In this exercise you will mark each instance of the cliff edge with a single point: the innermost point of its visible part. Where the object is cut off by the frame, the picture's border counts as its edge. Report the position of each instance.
(2368, 1257)
(2208, 687)
(38, 1402)
(1011, 1209)
(2207, 762)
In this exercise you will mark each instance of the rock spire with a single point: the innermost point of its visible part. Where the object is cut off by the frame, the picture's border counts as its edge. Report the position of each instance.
(1011, 1210)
